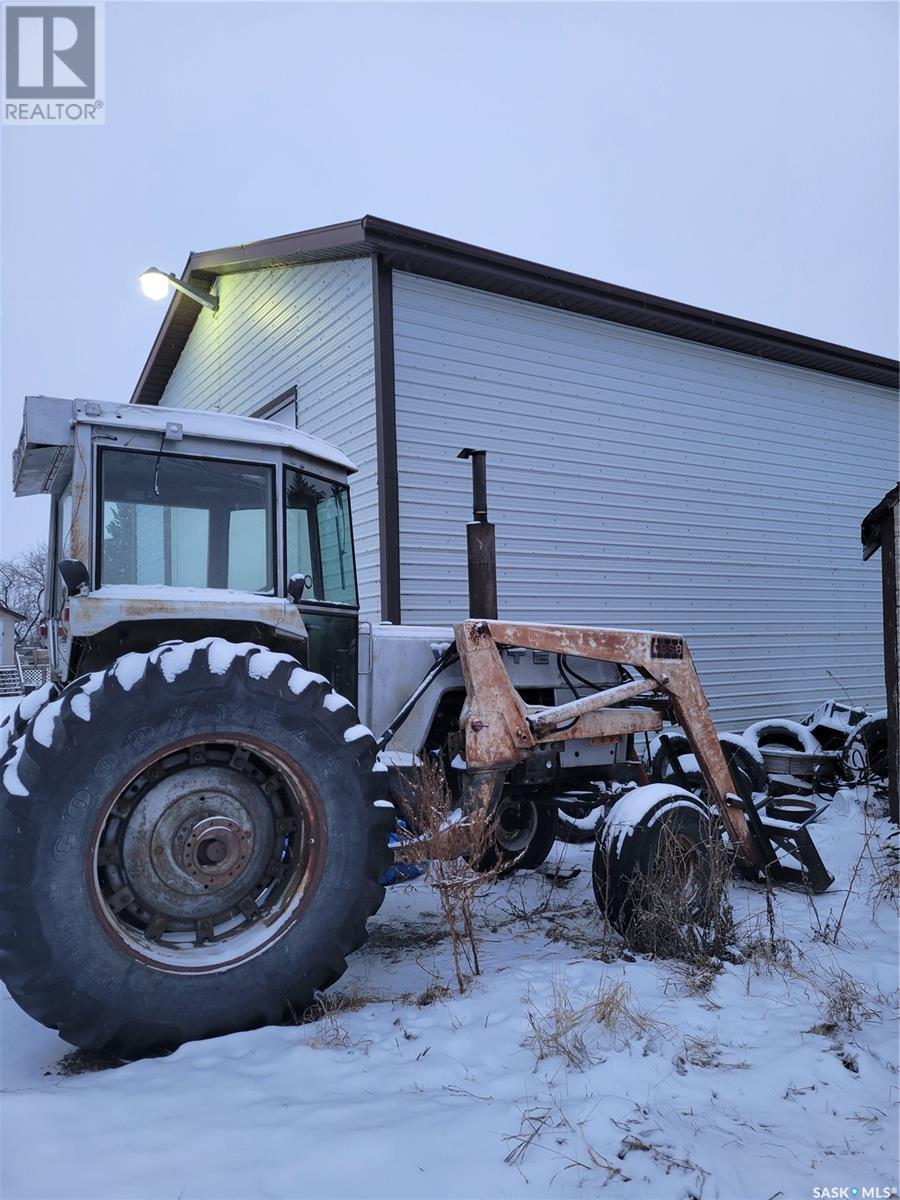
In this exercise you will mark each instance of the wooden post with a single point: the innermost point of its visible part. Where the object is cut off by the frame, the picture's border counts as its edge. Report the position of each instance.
(880, 530)
(890, 565)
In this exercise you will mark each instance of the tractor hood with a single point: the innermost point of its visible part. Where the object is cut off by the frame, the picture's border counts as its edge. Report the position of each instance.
(113, 604)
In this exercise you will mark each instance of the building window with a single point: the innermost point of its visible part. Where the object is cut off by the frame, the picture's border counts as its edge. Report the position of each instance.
(282, 410)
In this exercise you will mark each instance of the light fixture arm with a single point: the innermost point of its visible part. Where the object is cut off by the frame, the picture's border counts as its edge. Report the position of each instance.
(203, 298)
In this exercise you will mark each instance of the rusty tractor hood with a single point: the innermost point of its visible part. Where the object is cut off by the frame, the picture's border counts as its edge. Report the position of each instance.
(113, 604)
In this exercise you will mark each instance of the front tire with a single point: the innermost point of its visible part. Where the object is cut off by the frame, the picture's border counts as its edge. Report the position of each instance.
(631, 844)
(190, 844)
(524, 831)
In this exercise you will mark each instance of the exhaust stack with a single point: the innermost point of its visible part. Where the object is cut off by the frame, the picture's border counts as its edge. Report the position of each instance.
(481, 543)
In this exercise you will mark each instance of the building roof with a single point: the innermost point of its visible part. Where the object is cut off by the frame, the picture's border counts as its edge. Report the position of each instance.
(414, 250)
(11, 612)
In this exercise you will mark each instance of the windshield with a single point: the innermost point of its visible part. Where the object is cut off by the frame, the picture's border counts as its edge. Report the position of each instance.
(186, 522)
(319, 540)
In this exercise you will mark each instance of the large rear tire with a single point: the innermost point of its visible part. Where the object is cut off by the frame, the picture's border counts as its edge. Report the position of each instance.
(190, 844)
(14, 725)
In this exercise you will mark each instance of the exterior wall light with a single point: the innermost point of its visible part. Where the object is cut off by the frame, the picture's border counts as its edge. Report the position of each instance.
(155, 286)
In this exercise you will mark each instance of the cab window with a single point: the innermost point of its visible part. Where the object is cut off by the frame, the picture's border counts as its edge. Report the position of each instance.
(319, 537)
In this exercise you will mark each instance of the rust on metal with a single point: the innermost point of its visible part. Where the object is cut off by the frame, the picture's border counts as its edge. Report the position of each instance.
(494, 717)
(550, 719)
(607, 725)
(500, 731)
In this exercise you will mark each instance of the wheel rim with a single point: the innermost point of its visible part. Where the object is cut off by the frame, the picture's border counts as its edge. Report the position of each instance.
(691, 875)
(205, 855)
(516, 824)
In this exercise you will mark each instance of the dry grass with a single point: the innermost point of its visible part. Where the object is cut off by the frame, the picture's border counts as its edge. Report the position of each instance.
(86, 1062)
(846, 1004)
(453, 843)
(549, 1118)
(762, 942)
(884, 869)
(580, 1035)
(703, 1052)
(875, 876)
(331, 1030)
(431, 995)
(681, 909)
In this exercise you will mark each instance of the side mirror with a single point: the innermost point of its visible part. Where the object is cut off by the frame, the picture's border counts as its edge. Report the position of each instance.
(74, 575)
(297, 585)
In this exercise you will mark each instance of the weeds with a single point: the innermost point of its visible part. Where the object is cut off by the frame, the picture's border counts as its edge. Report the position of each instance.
(86, 1062)
(577, 1035)
(883, 860)
(681, 910)
(326, 1012)
(847, 1005)
(455, 846)
(703, 1052)
(663, 1157)
(884, 875)
(551, 1117)
(431, 995)
(331, 1032)
(765, 953)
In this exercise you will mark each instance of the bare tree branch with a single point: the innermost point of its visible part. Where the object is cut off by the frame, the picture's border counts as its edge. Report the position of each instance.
(21, 584)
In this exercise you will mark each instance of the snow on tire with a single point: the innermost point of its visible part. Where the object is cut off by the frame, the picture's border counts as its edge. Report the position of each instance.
(782, 735)
(13, 726)
(191, 842)
(742, 755)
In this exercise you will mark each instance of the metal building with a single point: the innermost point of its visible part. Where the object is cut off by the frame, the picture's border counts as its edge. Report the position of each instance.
(649, 463)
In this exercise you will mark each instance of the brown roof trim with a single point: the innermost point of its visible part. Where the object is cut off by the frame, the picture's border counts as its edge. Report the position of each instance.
(414, 250)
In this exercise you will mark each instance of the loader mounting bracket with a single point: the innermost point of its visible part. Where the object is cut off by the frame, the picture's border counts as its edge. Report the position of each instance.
(500, 730)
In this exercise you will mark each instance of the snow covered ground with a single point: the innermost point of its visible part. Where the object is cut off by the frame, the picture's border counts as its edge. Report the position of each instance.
(778, 1077)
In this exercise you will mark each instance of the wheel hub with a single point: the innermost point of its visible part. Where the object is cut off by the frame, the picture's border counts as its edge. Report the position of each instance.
(516, 825)
(215, 851)
(205, 845)
(196, 840)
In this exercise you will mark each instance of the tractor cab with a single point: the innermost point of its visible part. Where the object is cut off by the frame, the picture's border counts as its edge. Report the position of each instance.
(177, 523)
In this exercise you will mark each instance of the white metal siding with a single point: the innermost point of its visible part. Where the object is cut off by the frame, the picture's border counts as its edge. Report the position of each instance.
(309, 326)
(640, 480)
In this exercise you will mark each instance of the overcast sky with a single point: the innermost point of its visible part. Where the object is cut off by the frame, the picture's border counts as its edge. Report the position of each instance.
(742, 157)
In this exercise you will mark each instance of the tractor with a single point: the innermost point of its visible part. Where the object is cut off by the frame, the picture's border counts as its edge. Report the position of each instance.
(194, 810)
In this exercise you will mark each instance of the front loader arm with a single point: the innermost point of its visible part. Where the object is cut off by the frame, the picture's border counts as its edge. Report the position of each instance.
(501, 730)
